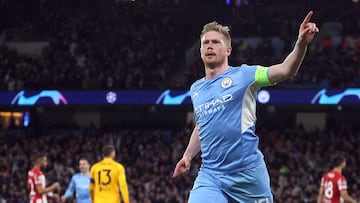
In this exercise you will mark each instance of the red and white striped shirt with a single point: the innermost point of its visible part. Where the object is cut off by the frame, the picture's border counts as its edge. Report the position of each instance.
(36, 177)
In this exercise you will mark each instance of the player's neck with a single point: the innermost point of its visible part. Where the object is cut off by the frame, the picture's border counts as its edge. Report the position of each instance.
(85, 173)
(37, 166)
(212, 72)
(338, 169)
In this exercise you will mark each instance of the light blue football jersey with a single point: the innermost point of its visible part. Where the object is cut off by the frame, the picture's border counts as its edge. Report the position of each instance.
(80, 184)
(225, 111)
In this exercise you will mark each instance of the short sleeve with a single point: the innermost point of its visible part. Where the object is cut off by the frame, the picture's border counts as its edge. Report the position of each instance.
(342, 184)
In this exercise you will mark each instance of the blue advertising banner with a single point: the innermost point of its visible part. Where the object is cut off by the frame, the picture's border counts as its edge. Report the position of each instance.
(171, 97)
(57, 97)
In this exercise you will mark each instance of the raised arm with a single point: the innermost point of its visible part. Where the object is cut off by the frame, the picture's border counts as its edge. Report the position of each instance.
(193, 148)
(290, 66)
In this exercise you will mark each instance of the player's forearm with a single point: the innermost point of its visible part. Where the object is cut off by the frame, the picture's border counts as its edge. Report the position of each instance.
(70, 191)
(91, 191)
(320, 199)
(349, 199)
(42, 190)
(125, 194)
(193, 147)
(293, 61)
(68, 194)
(290, 66)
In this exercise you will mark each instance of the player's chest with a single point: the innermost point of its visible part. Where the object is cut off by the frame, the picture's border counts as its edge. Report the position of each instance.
(219, 91)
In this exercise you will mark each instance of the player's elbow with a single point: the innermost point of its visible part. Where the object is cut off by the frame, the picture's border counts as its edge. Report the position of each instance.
(289, 71)
(41, 190)
(282, 77)
(281, 72)
(290, 74)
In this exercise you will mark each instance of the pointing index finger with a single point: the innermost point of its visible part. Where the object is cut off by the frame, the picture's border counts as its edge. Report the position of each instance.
(307, 18)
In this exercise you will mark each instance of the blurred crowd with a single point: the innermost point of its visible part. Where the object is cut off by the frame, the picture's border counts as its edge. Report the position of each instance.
(91, 47)
(265, 32)
(296, 158)
(119, 44)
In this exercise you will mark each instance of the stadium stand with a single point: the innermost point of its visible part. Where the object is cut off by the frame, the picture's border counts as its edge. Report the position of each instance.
(137, 45)
(296, 158)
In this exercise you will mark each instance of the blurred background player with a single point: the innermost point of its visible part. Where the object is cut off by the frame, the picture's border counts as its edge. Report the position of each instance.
(37, 182)
(333, 187)
(80, 183)
(107, 177)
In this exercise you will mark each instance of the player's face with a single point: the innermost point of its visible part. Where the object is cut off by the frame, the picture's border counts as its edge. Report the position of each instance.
(44, 162)
(214, 50)
(84, 166)
(344, 164)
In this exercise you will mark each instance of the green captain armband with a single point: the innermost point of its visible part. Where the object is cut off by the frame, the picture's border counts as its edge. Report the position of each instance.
(261, 76)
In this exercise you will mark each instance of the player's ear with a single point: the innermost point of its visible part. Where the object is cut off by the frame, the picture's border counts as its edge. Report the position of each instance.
(228, 50)
(200, 53)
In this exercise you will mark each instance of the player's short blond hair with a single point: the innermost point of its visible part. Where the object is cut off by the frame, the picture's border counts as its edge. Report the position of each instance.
(215, 26)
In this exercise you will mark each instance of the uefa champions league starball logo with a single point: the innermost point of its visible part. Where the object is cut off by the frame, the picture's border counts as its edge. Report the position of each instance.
(111, 97)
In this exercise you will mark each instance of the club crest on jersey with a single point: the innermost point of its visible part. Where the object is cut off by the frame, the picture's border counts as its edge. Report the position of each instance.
(226, 82)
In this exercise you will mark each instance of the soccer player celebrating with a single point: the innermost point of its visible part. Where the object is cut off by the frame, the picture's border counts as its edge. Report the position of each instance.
(37, 182)
(107, 177)
(333, 185)
(80, 183)
(224, 101)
